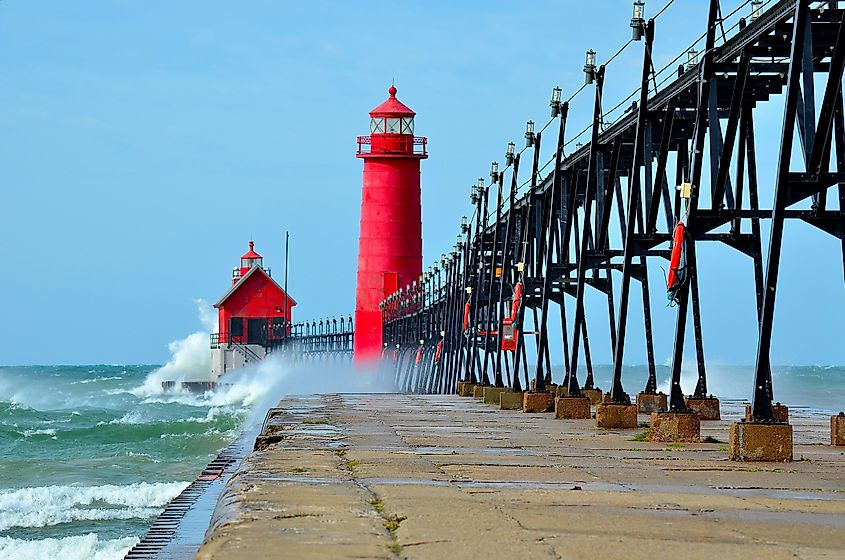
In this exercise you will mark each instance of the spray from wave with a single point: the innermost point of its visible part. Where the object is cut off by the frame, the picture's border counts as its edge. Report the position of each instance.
(190, 357)
(75, 500)
(261, 385)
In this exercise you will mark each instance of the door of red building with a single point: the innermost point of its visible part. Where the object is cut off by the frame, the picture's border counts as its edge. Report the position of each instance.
(256, 331)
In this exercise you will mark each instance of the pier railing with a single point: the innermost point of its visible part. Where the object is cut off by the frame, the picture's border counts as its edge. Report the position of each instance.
(330, 337)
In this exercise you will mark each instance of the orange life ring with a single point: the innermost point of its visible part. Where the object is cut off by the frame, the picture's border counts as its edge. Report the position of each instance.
(677, 276)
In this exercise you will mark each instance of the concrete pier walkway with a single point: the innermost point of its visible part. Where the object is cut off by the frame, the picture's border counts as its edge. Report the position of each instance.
(443, 477)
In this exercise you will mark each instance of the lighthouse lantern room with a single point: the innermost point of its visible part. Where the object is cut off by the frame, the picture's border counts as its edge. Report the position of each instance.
(253, 313)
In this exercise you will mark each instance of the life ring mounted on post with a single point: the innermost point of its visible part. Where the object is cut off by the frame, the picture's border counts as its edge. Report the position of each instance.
(467, 306)
(510, 334)
(678, 270)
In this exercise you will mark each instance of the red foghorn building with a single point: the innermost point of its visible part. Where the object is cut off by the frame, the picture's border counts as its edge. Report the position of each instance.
(255, 311)
(390, 244)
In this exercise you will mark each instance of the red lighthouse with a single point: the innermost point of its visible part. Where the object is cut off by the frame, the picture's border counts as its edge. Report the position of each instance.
(390, 244)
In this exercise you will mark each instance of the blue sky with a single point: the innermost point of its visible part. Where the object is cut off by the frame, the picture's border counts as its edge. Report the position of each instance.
(143, 144)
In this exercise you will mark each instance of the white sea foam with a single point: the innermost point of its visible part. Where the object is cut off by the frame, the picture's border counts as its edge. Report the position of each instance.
(190, 357)
(41, 432)
(207, 433)
(137, 417)
(96, 380)
(210, 416)
(131, 418)
(82, 547)
(146, 456)
(43, 506)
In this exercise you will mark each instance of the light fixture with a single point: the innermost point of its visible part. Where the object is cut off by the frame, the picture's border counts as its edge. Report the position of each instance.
(692, 59)
(637, 21)
(475, 195)
(509, 154)
(555, 102)
(529, 134)
(590, 66)
(756, 9)
(464, 226)
(494, 171)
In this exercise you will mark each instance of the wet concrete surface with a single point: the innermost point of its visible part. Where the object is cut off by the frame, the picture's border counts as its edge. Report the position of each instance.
(409, 476)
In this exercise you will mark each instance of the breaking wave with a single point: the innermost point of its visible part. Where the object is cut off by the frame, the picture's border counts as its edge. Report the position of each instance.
(81, 547)
(45, 506)
(190, 357)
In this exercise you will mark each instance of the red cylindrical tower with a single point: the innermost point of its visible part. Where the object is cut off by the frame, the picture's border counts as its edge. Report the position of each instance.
(390, 245)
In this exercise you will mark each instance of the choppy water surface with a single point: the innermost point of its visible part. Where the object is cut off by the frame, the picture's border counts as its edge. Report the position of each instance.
(88, 457)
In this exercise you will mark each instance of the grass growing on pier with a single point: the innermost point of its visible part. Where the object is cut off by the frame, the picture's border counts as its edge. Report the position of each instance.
(352, 464)
(642, 436)
(298, 470)
(391, 522)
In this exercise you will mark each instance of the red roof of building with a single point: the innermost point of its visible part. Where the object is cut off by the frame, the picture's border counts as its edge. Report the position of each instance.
(252, 271)
(251, 254)
(392, 107)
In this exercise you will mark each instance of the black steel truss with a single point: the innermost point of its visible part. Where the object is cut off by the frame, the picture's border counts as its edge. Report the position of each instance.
(556, 240)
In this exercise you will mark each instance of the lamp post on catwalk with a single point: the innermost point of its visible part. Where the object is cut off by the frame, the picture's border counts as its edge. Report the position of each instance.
(390, 243)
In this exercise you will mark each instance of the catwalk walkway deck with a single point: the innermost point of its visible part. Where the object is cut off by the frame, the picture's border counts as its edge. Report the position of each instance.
(410, 476)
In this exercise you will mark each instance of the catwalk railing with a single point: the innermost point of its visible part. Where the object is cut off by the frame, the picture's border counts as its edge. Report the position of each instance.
(329, 338)
(465, 319)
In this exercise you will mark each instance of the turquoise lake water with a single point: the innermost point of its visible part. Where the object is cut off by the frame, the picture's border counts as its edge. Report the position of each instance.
(89, 455)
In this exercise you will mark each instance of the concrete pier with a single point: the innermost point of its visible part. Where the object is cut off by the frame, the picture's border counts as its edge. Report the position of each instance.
(430, 477)
(651, 402)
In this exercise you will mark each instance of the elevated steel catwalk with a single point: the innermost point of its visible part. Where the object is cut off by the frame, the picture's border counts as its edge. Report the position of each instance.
(465, 318)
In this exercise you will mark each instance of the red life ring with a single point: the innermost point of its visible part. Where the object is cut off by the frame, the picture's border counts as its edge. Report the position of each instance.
(677, 276)
(517, 300)
(466, 315)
